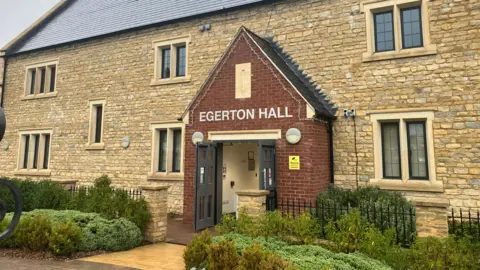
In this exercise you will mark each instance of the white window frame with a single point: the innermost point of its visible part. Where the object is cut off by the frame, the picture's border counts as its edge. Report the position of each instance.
(171, 43)
(168, 174)
(370, 7)
(92, 105)
(28, 79)
(431, 184)
(30, 171)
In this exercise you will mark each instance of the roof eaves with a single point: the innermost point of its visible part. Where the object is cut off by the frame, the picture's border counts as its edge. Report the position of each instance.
(33, 26)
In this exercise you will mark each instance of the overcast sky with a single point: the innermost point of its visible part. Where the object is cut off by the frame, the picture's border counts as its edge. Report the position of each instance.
(17, 15)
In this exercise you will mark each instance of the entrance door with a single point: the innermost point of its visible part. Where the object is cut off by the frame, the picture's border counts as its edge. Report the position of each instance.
(268, 179)
(205, 186)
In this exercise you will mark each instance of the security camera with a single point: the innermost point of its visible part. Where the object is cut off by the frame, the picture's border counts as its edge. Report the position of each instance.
(345, 113)
(352, 112)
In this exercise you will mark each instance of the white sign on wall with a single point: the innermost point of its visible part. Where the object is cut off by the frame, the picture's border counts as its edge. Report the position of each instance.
(245, 114)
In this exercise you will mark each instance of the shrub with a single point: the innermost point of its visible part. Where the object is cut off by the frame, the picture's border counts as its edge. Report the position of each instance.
(98, 233)
(347, 232)
(306, 256)
(195, 254)
(36, 195)
(254, 257)
(227, 225)
(355, 198)
(272, 224)
(65, 238)
(110, 203)
(222, 255)
(33, 233)
(305, 228)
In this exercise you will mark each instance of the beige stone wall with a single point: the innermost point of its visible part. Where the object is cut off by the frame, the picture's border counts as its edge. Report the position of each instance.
(327, 38)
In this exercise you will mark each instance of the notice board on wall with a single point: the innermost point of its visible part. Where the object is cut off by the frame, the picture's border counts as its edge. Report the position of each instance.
(294, 162)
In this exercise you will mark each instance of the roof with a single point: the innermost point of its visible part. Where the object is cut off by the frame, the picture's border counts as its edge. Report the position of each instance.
(73, 20)
(310, 91)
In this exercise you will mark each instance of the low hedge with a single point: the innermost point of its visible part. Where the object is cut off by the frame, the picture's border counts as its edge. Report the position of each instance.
(69, 231)
(101, 198)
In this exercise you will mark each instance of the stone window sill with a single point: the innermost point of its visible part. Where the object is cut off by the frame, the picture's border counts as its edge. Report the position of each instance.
(415, 52)
(40, 96)
(410, 185)
(185, 79)
(32, 172)
(165, 177)
(95, 146)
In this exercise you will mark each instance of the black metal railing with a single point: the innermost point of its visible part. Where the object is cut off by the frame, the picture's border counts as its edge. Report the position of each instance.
(133, 193)
(382, 217)
(464, 222)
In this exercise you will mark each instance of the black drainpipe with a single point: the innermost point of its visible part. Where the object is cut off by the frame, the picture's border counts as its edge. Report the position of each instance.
(330, 145)
(4, 79)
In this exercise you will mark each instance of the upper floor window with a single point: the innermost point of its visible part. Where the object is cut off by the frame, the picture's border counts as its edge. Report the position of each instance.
(34, 151)
(171, 61)
(397, 29)
(41, 80)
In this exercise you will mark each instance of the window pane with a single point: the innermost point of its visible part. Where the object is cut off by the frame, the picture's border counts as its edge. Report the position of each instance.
(384, 40)
(417, 150)
(35, 150)
(42, 80)
(33, 76)
(162, 158)
(177, 150)
(181, 61)
(25, 154)
(391, 150)
(46, 153)
(53, 71)
(98, 124)
(165, 63)
(411, 28)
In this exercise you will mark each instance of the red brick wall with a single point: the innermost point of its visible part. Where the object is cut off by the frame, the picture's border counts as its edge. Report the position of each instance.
(269, 89)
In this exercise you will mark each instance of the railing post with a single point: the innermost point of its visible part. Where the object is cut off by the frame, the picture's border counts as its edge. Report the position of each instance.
(253, 201)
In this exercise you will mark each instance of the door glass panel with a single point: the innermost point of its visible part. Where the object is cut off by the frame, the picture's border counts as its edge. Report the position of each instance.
(202, 175)
(209, 175)
(209, 205)
(202, 154)
(267, 155)
(210, 155)
(201, 213)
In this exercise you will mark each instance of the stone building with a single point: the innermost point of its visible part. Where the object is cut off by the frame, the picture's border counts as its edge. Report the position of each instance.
(383, 92)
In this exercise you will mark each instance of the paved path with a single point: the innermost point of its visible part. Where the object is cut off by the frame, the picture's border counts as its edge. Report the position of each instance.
(25, 264)
(162, 256)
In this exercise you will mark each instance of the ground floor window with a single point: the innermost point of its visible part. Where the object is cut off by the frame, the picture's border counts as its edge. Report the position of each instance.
(167, 150)
(404, 150)
(34, 151)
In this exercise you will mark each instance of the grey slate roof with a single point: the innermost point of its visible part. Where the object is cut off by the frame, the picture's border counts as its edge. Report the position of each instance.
(82, 19)
(302, 82)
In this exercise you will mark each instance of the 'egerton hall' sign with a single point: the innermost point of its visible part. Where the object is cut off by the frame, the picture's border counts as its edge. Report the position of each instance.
(245, 114)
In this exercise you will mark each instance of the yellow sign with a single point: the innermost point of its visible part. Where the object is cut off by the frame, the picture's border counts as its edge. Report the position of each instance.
(294, 162)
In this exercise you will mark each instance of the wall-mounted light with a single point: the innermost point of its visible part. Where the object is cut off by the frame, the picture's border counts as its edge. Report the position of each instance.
(125, 142)
(5, 145)
(197, 137)
(293, 135)
(205, 27)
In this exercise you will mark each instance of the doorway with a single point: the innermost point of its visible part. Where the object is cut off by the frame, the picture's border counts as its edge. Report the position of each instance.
(222, 169)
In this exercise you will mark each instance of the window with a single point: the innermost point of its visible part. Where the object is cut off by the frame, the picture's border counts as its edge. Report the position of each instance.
(391, 150)
(34, 151)
(167, 152)
(97, 115)
(397, 29)
(403, 150)
(384, 32)
(171, 61)
(41, 80)
(411, 28)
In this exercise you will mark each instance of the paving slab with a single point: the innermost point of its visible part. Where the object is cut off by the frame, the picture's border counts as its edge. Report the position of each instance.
(163, 256)
(26, 264)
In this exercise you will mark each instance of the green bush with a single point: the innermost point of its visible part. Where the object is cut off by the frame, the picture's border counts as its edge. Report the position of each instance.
(306, 256)
(195, 254)
(222, 255)
(33, 233)
(347, 232)
(98, 233)
(36, 195)
(65, 238)
(110, 203)
(254, 257)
